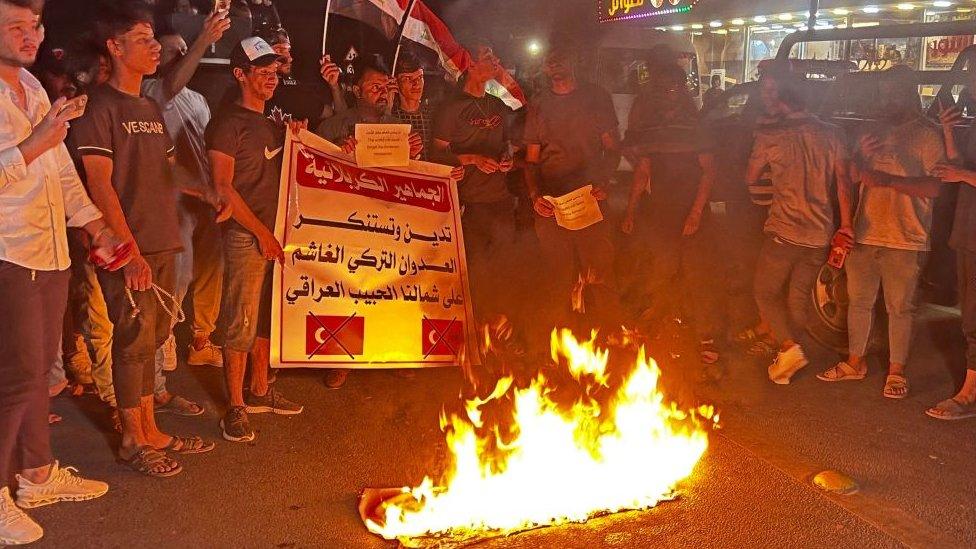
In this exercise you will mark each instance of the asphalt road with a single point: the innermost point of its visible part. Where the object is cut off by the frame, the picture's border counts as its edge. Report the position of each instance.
(297, 484)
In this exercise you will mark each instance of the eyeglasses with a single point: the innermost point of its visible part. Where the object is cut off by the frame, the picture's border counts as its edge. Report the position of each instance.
(374, 88)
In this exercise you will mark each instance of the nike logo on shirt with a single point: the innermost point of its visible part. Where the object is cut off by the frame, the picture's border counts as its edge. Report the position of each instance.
(269, 154)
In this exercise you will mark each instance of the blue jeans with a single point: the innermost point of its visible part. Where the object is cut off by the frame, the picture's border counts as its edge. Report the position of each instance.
(785, 275)
(246, 305)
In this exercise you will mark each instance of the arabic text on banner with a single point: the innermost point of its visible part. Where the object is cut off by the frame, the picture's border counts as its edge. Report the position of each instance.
(375, 273)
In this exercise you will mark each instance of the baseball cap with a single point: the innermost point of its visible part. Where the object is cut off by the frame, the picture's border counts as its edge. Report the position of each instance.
(253, 51)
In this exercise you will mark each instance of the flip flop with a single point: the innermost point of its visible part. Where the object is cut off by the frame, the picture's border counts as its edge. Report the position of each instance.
(188, 445)
(841, 372)
(180, 406)
(951, 409)
(147, 459)
(896, 386)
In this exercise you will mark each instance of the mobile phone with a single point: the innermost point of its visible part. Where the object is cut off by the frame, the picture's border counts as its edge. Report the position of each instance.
(75, 107)
(222, 7)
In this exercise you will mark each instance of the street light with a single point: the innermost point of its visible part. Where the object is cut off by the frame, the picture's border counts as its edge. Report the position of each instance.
(534, 47)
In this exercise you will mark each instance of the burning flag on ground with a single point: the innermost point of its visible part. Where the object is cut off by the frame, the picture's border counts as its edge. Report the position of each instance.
(619, 446)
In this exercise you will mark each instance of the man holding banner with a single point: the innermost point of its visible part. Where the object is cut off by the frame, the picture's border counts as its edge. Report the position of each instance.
(244, 147)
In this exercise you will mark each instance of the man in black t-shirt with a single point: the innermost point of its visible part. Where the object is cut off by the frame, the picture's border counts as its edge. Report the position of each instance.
(297, 100)
(571, 141)
(469, 131)
(245, 151)
(127, 156)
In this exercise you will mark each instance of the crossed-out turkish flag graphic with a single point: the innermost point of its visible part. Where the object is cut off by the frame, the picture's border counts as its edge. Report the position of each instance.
(442, 337)
(334, 335)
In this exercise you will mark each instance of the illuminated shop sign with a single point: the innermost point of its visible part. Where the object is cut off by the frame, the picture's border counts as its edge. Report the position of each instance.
(619, 10)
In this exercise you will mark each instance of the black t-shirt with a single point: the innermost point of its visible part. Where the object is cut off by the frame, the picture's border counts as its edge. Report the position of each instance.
(475, 125)
(255, 143)
(569, 127)
(299, 100)
(130, 130)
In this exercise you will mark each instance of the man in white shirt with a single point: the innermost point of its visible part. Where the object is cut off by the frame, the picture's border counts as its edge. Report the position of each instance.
(40, 195)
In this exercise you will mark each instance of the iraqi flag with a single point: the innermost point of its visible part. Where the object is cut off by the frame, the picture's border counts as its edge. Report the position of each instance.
(426, 29)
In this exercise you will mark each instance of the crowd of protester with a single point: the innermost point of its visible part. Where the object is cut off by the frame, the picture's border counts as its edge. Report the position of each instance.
(161, 198)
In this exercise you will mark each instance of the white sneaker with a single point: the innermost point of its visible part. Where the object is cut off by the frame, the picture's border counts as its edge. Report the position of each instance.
(16, 528)
(210, 355)
(167, 354)
(787, 364)
(62, 485)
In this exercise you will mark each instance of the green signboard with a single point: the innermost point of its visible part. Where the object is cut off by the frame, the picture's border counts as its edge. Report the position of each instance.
(620, 10)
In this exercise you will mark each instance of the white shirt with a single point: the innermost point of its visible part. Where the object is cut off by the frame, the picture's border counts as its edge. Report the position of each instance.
(37, 201)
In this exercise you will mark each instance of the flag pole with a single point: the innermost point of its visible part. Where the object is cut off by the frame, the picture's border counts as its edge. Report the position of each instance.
(399, 36)
(325, 25)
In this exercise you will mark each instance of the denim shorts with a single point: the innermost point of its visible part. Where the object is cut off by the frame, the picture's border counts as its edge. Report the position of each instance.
(246, 301)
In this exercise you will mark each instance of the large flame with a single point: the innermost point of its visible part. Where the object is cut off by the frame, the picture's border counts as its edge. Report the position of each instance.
(560, 465)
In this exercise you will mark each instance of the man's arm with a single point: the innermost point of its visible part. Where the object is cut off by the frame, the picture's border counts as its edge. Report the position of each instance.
(920, 187)
(844, 195)
(441, 152)
(640, 182)
(611, 152)
(706, 181)
(222, 170)
(49, 133)
(330, 73)
(98, 169)
(180, 75)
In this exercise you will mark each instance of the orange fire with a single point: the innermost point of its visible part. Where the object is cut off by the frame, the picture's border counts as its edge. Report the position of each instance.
(561, 465)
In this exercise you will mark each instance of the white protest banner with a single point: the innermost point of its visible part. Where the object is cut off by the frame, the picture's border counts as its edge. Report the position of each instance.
(375, 273)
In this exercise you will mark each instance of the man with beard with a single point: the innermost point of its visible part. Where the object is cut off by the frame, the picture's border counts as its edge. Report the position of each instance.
(40, 195)
(897, 159)
(571, 141)
(296, 100)
(127, 156)
(245, 148)
(374, 91)
(186, 115)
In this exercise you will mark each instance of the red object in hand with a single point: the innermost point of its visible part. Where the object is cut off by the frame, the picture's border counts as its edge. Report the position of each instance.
(838, 252)
(121, 255)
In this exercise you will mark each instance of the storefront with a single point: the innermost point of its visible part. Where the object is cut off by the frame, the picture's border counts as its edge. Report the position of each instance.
(731, 37)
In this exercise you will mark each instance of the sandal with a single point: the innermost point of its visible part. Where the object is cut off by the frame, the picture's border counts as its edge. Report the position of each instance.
(708, 351)
(896, 386)
(764, 348)
(180, 406)
(188, 445)
(749, 335)
(152, 463)
(951, 409)
(841, 372)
